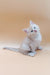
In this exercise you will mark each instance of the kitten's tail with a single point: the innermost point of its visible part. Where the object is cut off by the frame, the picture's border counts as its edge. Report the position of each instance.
(12, 49)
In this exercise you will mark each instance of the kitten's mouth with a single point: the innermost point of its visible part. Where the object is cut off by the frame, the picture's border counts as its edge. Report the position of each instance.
(35, 30)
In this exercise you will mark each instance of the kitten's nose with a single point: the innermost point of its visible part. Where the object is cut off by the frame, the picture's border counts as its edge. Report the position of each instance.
(35, 30)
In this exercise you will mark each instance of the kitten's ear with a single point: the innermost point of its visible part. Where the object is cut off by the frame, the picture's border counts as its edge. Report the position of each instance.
(25, 30)
(31, 23)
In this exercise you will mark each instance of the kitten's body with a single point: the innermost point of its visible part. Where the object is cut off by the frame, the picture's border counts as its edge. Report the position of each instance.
(32, 41)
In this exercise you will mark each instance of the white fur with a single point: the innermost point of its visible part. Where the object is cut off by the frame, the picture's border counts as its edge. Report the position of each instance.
(32, 40)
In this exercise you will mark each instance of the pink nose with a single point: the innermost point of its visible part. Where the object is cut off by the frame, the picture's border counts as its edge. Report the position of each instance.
(35, 30)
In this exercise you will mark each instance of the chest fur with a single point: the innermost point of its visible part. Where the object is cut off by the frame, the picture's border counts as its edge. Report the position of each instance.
(35, 41)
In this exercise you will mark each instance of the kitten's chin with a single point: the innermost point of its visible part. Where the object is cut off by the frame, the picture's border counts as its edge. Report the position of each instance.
(29, 35)
(32, 34)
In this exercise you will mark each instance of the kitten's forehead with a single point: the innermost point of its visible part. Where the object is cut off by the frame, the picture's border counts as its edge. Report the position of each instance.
(34, 25)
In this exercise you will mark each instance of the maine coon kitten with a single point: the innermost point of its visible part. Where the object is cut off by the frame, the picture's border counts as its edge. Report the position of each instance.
(31, 42)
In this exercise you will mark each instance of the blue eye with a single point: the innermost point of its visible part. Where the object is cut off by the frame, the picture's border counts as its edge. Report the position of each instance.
(31, 30)
(34, 27)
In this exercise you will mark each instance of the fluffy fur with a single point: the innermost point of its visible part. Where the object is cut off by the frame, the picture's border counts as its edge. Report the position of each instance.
(31, 42)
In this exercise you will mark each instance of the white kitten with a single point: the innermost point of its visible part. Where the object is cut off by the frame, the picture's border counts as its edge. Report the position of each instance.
(32, 41)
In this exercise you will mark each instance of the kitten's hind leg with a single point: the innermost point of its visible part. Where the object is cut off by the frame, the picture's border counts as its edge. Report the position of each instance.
(40, 48)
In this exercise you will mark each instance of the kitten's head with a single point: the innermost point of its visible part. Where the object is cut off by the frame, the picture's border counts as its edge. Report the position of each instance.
(32, 30)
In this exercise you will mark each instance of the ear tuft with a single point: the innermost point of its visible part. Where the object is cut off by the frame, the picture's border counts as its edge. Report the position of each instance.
(31, 22)
(25, 30)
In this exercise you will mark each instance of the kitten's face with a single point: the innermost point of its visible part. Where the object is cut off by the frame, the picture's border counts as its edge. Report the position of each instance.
(33, 29)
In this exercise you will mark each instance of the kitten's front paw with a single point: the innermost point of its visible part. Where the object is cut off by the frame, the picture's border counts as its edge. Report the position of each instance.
(32, 54)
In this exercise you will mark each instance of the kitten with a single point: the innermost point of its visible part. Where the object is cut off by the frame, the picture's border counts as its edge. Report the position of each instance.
(31, 42)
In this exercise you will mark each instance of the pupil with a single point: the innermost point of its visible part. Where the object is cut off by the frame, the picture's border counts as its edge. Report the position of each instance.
(34, 27)
(31, 30)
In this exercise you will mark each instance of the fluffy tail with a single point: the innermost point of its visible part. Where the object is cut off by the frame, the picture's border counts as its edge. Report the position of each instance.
(12, 49)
